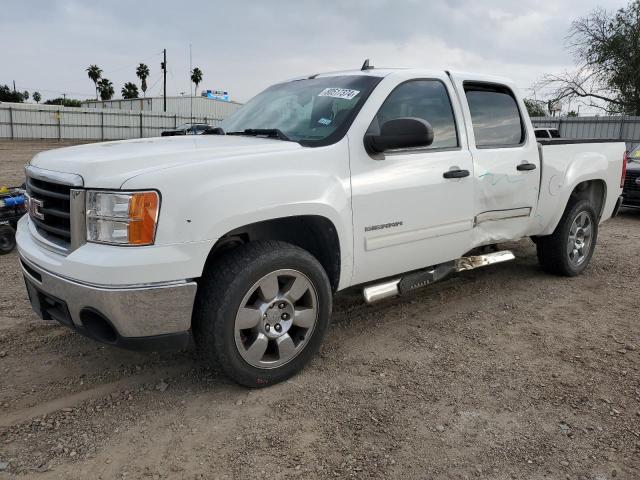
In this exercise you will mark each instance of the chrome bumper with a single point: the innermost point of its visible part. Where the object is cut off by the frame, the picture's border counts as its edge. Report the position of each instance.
(121, 316)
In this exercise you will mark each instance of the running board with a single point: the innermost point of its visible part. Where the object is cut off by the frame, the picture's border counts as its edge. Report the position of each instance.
(422, 278)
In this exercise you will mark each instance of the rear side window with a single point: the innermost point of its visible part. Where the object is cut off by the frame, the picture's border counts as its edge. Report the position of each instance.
(495, 116)
(554, 133)
(425, 99)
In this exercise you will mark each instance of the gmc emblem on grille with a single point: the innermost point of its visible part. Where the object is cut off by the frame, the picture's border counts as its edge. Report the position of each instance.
(35, 208)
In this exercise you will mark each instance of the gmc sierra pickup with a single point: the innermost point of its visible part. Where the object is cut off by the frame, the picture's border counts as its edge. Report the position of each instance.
(385, 178)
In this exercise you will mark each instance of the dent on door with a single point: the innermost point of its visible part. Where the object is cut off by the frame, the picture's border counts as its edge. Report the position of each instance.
(495, 223)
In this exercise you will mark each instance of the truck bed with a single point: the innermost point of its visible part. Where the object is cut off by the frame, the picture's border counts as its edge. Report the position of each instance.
(568, 162)
(574, 141)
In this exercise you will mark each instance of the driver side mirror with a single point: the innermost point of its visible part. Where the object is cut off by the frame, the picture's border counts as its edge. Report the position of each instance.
(405, 132)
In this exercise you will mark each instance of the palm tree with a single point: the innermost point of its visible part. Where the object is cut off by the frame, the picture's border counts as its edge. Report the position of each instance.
(95, 74)
(105, 87)
(143, 72)
(196, 77)
(36, 97)
(130, 90)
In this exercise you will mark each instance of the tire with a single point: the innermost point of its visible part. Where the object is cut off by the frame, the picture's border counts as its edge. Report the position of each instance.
(578, 228)
(251, 294)
(7, 239)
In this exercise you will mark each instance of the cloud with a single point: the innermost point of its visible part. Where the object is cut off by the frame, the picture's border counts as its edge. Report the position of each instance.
(244, 46)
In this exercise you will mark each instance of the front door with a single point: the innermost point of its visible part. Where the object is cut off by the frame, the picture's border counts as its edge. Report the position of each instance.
(406, 214)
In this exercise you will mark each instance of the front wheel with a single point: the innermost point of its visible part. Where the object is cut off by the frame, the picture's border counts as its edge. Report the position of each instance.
(568, 250)
(262, 310)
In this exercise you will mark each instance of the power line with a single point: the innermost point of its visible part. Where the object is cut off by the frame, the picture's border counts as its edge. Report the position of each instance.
(156, 82)
(41, 90)
(112, 70)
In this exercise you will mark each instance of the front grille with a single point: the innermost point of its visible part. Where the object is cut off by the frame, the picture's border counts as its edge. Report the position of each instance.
(630, 184)
(55, 209)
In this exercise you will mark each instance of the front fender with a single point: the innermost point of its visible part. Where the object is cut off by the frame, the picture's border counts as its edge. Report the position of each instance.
(204, 201)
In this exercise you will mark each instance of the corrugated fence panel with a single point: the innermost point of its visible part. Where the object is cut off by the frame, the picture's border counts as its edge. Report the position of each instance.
(80, 124)
(35, 123)
(621, 128)
(5, 123)
(91, 123)
(185, 106)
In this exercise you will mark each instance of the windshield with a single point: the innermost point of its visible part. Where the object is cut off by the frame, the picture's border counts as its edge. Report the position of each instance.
(313, 112)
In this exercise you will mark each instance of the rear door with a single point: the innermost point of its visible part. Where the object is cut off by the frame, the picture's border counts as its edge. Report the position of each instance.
(506, 160)
(406, 214)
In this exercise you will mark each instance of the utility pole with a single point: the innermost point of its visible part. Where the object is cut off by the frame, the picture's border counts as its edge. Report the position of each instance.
(14, 86)
(64, 99)
(163, 66)
(190, 84)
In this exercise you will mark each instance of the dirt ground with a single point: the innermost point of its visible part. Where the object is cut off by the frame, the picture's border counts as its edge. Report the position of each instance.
(499, 373)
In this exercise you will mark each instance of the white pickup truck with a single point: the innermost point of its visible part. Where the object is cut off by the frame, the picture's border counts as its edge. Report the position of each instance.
(384, 178)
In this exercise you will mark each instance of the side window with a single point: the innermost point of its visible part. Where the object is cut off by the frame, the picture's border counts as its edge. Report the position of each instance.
(495, 116)
(425, 99)
(554, 133)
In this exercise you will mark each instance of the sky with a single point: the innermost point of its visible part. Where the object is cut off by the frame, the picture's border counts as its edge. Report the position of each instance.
(244, 46)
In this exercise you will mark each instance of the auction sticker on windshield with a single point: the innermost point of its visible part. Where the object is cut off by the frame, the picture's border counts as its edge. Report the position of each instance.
(345, 93)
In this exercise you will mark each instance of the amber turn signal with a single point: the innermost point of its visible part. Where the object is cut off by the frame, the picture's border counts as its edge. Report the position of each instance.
(143, 217)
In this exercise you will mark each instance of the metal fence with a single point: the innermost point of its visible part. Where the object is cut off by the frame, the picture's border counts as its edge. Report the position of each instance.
(621, 128)
(52, 122)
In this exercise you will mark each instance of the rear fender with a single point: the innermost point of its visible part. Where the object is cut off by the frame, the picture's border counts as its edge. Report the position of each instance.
(558, 186)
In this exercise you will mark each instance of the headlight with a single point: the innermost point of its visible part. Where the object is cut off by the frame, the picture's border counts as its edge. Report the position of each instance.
(122, 218)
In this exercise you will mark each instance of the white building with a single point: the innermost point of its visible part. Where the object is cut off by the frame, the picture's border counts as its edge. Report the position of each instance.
(213, 111)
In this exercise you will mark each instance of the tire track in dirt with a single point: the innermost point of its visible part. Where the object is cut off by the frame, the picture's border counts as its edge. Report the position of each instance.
(99, 391)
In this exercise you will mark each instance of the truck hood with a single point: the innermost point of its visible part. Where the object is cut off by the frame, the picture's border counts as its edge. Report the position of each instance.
(110, 164)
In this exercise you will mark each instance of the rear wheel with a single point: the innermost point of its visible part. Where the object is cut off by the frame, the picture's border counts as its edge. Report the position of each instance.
(262, 310)
(569, 249)
(7, 239)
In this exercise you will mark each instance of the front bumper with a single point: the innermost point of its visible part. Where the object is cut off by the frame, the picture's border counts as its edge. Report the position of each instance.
(156, 316)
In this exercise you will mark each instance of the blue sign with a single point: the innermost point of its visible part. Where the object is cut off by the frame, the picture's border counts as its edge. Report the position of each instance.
(216, 95)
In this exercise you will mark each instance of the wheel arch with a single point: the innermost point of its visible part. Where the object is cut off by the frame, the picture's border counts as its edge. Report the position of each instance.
(592, 189)
(316, 234)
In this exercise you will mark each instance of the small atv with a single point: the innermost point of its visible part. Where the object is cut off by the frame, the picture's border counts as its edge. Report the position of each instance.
(12, 206)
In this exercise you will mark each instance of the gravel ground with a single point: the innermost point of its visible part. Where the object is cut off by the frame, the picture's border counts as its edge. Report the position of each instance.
(500, 373)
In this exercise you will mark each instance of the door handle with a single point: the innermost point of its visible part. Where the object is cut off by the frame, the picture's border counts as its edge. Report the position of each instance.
(526, 166)
(456, 173)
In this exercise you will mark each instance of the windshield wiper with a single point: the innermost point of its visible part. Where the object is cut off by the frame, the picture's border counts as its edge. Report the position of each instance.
(263, 132)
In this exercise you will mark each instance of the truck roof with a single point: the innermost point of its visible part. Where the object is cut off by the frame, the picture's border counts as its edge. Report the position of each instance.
(411, 72)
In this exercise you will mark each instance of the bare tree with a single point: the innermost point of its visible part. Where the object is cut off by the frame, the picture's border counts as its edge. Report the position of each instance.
(606, 48)
(581, 85)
